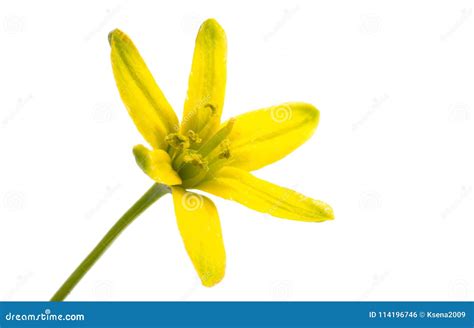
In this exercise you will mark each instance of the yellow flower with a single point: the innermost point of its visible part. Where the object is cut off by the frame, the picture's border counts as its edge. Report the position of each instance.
(204, 154)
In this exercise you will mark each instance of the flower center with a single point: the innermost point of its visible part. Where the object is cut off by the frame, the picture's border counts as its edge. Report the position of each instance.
(194, 160)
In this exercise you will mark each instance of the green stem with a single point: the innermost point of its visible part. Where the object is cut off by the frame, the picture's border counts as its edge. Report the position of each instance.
(153, 194)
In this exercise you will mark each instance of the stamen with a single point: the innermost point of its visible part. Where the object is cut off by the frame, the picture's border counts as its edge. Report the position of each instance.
(194, 137)
(217, 138)
(194, 165)
(177, 141)
(194, 158)
(224, 152)
(211, 108)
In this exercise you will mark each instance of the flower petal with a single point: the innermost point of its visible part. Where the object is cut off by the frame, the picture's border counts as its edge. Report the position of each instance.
(206, 88)
(144, 100)
(264, 136)
(239, 185)
(156, 164)
(200, 229)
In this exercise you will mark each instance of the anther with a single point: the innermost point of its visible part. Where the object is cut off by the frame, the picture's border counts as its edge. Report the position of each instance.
(194, 137)
(177, 141)
(194, 158)
(224, 151)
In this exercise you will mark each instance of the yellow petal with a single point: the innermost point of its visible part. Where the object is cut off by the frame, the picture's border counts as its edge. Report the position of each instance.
(157, 165)
(200, 229)
(206, 88)
(239, 185)
(144, 100)
(264, 136)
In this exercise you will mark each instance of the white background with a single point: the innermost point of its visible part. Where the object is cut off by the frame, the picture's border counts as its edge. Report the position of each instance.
(393, 153)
